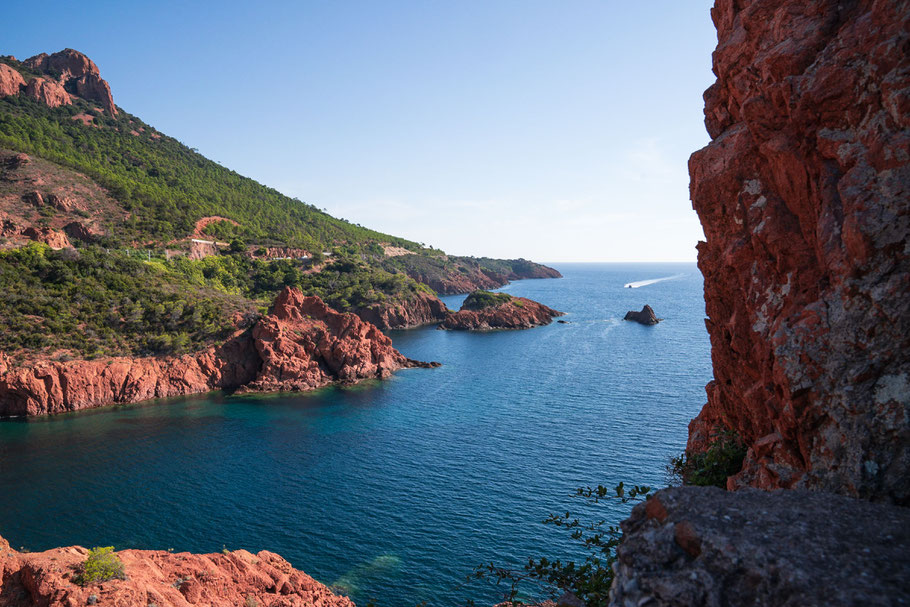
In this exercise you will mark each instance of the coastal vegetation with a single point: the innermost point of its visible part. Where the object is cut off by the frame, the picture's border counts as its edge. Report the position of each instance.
(589, 579)
(711, 467)
(479, 300)
(92, 302)
(101, 565)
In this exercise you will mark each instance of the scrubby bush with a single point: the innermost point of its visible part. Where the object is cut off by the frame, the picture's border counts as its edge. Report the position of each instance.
(711, 467)
(590, 579)
(101, 565)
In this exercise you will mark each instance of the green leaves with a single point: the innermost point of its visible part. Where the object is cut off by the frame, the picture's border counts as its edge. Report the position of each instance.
(710, 468)
(101, 565)
(589, 579)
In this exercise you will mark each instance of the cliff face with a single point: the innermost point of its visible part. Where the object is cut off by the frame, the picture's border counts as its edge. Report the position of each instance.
(422, 309)
(803, 193)
(165, 579)
(302, 345)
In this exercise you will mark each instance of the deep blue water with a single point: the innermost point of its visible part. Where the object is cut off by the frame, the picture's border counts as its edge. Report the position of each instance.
(393, 489)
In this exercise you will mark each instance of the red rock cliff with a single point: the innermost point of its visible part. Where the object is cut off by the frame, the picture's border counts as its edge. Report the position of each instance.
(165, 579)
(421, 309)
(302, 345)
(803, 193)
(77, 71)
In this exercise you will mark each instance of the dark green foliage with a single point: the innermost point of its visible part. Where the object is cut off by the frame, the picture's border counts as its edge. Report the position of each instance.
(710, 468)
(589, 579)
(167, 186)
(95, 303)
(101, 565)
(478, 300)
(345, 284)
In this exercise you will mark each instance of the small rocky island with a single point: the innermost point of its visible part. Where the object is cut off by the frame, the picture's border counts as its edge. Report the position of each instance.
(646, 316)
(486, 311)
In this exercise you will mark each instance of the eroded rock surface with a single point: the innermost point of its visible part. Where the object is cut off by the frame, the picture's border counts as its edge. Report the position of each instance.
(704, 546)
(804, 195)
(11, 81)
(164, 579)
(421, 309)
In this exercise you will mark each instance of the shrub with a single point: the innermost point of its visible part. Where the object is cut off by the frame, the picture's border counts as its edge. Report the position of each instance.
(101, 565)
(478, 300)
(710, 468)
(589, 580)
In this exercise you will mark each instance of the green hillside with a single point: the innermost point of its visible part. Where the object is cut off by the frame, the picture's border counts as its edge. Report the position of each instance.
(166, 186)
(129, 199)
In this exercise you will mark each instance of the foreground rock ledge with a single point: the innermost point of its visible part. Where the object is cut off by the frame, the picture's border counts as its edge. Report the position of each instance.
(705, 546)
(161, 578)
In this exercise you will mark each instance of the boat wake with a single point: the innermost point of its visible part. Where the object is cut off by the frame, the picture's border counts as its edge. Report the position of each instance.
(645, 283)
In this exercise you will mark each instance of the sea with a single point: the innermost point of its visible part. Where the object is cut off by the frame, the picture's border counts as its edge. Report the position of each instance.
(391, 491)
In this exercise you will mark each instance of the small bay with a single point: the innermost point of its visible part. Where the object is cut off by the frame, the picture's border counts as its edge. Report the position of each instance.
(392, 490)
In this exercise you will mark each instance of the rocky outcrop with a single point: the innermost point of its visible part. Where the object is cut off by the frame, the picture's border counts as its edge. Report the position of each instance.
(646, 316)
(52, 238)
(304, 344)
(11, 81)
(301, 345)
(164, 579)
(418, 310)
(75, 70)
(804, 196)
(514, 313)
(48, 92)
(704, 546)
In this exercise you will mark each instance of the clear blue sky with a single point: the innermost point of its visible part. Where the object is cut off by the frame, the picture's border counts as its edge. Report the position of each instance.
(557, 131)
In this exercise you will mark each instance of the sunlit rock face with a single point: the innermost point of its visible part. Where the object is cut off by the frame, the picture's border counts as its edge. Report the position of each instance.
(803, 193)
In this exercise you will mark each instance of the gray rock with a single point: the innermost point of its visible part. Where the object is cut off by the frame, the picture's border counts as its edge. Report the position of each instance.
(705, 546)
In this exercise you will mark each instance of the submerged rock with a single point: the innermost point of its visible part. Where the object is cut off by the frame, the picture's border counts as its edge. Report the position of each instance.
(645, 317)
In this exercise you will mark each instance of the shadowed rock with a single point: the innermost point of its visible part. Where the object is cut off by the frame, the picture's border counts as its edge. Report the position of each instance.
(645, 317)
(706, 546)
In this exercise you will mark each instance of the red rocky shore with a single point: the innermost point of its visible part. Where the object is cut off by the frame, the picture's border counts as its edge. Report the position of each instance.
(160, 578)
(302, 345)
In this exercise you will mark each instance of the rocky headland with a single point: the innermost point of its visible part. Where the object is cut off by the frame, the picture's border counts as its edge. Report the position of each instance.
(646, 316)
(450, 275)
(804, 196)
(301, 345)
(164, 579)
(485, 311)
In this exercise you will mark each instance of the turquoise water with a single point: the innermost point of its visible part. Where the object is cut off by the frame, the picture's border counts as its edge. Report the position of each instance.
(393, 490)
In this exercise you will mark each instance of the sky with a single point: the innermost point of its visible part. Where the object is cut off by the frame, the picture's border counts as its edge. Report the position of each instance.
(554, 131)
